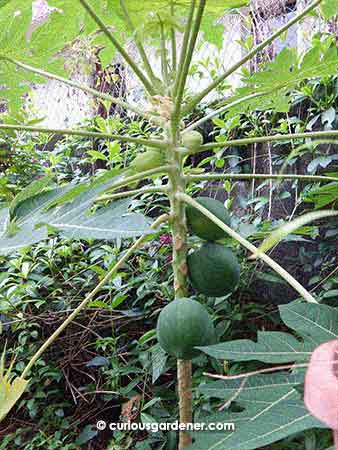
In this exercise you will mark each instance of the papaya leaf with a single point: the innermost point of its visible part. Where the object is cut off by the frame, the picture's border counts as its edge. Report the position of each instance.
(329, 9)
(281, 76)
(11, 389)
(33, 189)
(35, 218)
(46, 41)
(269, 415)
(315, 323)
(278, 383)
(272, 405)
(278, 235)
(271, 347)
(70, 22)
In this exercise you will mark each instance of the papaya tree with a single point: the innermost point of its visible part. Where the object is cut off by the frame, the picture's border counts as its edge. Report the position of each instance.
(100, 210)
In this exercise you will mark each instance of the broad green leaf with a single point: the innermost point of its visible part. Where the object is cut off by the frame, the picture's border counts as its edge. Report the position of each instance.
(316, 323)
(271, 347)
(60, 30)
(278, 235)
(281, 76)
(268, 416)
(272, 407)
(47, 40)
(277, 384)
(35, 188)
(34, 218)
(324, 195)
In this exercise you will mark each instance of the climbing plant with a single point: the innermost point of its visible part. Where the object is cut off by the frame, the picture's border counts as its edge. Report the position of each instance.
(100, 210)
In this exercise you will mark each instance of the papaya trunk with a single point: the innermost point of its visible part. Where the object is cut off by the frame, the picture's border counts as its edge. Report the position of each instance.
(180, 270)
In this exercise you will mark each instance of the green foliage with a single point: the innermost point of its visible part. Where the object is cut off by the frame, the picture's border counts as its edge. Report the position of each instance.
(47, 41)
(329, 9)
(273, 84)
(60, 29)
(315, 324)
(267, 407)
(32, 214)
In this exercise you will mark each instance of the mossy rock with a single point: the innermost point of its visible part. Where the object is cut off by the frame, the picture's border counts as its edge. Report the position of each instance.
(182, 325)
(203, 227)
(213, 270)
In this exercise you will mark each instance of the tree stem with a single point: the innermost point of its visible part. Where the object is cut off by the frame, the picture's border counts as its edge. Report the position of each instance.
(180, 270)
(91, 296)
(184, 376)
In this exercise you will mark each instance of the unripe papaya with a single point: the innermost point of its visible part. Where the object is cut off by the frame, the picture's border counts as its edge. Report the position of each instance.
(148, 160)
(192, 140)
(182, 325)
(203, 227)
(213, 270)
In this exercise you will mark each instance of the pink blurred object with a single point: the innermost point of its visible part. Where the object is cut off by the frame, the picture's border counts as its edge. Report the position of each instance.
(165, 239)
(321, 386)
(40, 13)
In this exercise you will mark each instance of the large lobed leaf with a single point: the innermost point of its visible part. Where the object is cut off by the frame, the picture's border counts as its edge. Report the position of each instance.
(273, 409)
(272, 405)
(40, 51)
(315, 323)
(282, 76)
(51, 37)
(67, 210)
(271, 347)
